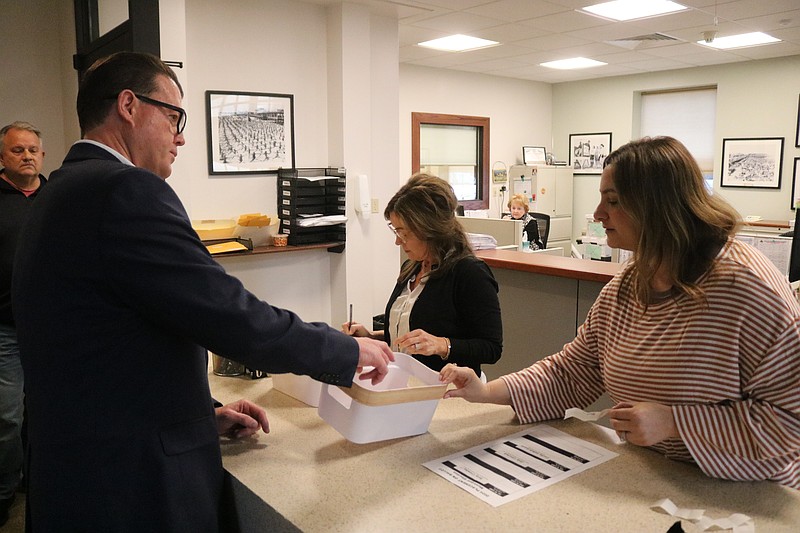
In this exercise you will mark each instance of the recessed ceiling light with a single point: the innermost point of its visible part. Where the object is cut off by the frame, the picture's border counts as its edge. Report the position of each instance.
(458, 43)
(633, 9)
(573, 63)
(740, 41)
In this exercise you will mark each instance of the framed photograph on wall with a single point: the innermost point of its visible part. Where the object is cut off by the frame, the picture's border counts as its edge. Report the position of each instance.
(795, 185)
(534, 155)
(587, 151)
(797, 131)
(249, 133)
(753, 163)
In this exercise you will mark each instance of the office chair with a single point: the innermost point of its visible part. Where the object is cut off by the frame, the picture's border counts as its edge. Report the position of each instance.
(543, 223)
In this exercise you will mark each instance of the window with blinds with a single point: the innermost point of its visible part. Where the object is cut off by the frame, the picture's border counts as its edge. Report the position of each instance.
(451, 152)
(689, 115)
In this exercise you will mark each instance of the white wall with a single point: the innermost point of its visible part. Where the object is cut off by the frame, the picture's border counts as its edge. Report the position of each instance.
(363, 95)
(340, 63)
(520, 111)
(254, 46)
(754, 99)
(33, 85)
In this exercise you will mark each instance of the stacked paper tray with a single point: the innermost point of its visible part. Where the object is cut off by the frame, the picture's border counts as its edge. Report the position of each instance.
(304, 192)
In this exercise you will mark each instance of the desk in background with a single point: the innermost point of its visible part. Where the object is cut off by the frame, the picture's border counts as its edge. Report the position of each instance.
(305, 476)
(543, 299)
(771, 226)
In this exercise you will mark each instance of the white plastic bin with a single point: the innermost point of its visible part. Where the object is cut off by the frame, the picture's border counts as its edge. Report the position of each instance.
(401, 405)
(301, 388)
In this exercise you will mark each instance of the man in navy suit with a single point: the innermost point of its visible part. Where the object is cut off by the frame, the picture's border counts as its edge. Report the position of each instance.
(116, 301)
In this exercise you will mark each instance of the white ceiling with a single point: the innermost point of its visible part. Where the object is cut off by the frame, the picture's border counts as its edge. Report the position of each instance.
(531, 32)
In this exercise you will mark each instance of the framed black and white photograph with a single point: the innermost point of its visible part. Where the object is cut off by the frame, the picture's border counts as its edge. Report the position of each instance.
(249, 133)
(795, 199)
(534, 155)
(753, 163)
(797, 131)
(587, 151)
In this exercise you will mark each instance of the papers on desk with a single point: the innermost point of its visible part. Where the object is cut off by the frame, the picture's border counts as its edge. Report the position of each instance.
(507, 469)
(777, 249)
(481, 241)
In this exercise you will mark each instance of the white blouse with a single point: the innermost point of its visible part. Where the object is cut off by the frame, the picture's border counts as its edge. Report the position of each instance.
(401, 310)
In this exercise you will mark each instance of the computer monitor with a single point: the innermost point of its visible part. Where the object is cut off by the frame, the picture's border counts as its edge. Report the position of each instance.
(794, 258)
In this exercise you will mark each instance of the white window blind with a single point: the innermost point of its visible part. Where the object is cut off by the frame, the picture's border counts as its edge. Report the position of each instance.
(688, 115)
(448, 145)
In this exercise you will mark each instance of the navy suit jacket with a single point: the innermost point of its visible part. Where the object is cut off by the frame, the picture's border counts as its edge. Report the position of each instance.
(116, 301)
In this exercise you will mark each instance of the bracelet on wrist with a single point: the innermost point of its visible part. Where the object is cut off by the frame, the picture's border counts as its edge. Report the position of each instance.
(446, 355)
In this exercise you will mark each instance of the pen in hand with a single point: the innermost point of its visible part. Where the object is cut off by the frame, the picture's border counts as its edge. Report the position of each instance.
(350, 322)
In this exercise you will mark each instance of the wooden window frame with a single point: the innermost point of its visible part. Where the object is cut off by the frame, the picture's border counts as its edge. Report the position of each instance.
(482, 123)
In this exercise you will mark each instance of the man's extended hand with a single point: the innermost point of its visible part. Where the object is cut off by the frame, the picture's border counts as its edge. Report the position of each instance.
(241, 419)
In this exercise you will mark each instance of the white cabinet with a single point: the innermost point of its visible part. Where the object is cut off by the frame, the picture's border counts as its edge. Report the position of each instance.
(549, 191)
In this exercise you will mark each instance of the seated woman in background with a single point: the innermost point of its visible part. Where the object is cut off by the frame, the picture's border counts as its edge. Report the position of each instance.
(696, 340)
(518, 205)
(444, 307)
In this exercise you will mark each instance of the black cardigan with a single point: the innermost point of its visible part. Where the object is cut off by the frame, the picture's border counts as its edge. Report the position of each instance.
(463, 306)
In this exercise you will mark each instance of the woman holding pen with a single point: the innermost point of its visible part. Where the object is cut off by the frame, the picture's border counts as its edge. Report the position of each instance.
(444, 307)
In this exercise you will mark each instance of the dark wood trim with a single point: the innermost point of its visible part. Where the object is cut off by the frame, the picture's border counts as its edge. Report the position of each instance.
(333, 247)
(140, 33)
(482, 123)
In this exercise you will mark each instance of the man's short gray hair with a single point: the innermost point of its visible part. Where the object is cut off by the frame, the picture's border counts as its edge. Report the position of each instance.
(18, 125)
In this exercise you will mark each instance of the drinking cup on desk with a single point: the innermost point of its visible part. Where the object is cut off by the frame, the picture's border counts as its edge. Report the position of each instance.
(226, 367)
(280, 240)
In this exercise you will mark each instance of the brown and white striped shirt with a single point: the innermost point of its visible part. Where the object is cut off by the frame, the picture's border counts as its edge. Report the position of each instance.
(729, 366)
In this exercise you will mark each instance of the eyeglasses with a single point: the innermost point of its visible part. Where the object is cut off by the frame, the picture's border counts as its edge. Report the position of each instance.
(402, 236)
(178, 123)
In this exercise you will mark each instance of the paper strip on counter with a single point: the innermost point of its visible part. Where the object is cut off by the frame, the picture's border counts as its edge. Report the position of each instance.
(738, 522)
(507, 469)
(586, 416)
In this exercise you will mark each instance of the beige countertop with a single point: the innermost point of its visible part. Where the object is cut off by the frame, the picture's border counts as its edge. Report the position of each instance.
(319, 481)
(565, 267)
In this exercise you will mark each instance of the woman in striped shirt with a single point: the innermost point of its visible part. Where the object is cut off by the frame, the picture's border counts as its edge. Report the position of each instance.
(696, 340)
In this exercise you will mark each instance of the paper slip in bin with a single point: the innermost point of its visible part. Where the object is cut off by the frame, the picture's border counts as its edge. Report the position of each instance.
(401, 405)
(301, 388)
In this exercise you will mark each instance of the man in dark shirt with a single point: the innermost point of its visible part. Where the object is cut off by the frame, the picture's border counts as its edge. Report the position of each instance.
(21, 158)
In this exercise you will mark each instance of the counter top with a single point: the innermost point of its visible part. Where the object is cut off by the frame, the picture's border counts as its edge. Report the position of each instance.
(565, 267)
(306, 471)
(780, 224)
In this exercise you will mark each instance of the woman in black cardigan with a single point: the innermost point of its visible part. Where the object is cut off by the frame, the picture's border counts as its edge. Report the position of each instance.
(444, 308)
